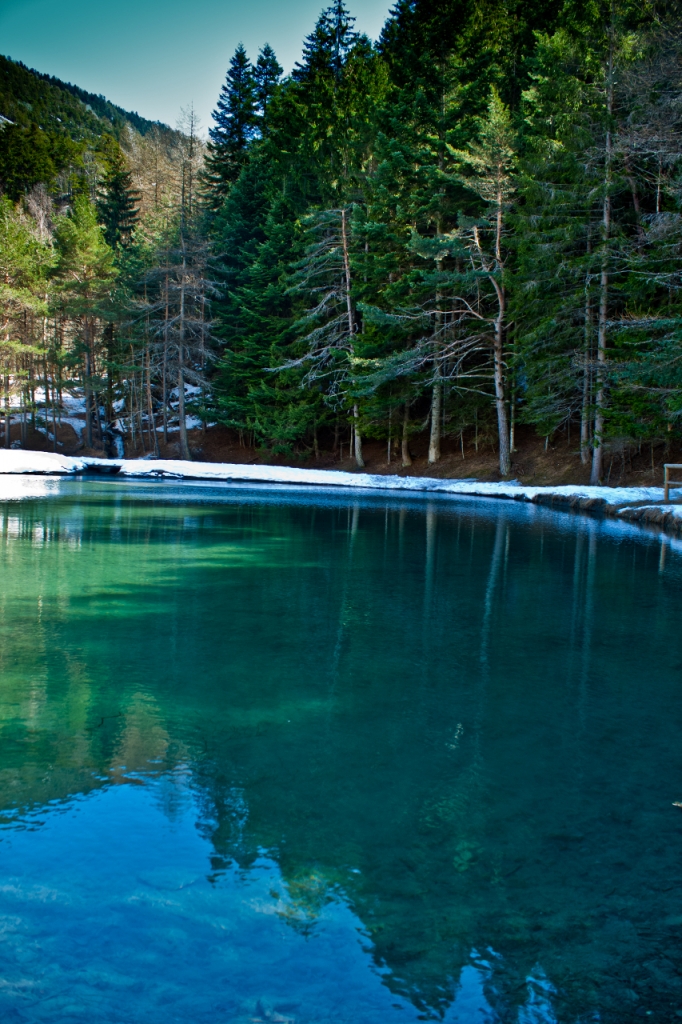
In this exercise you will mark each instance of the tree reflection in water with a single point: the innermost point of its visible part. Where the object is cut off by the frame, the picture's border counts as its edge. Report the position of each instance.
(454, 722)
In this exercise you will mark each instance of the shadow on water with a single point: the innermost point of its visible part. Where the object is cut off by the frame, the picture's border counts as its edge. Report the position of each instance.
(291, 756)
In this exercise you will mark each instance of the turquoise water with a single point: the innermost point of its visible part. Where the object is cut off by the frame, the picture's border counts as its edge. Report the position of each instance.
(292, 756)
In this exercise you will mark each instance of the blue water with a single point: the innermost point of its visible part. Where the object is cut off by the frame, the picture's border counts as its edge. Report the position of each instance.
(288, 756)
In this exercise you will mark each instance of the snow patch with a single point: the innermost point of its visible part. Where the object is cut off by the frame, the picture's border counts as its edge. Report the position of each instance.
(73, 421)
(670, 510)
(191, 422)
(49, 462)
(73, 403)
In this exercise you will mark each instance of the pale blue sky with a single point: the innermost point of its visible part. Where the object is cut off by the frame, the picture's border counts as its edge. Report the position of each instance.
(156, 56)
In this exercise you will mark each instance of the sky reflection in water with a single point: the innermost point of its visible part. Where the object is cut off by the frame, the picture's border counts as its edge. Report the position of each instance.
(286, 755)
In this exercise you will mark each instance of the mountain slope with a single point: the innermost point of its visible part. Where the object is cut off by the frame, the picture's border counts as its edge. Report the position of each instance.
(30, 97)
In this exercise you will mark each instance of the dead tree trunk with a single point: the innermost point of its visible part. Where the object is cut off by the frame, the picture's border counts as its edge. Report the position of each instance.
(351, 332)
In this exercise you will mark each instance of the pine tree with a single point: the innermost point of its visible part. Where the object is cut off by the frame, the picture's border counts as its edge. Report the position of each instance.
(85, 276)
(117, 205)
(235, 127)
(267, 75)
(330, 324)
(491, 158)
(24, 264)
(326, 48)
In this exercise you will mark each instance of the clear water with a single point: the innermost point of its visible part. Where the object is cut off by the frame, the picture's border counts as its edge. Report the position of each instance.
(286, 756)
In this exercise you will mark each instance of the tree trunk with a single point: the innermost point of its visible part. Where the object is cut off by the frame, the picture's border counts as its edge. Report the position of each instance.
(135, 402)
(587, 382)
(437, 392)
(585, 416)
(140, 392)
(502, 423)
(357, 438)
(406, 457)
(154, 438)
(165, 371)
(87, 373)
(7, 412)
(184, 446)
(498, 343)
(390, 437)
(598, 450)
(95, 402)
(436, 406)
(512, 424)
(131, 418)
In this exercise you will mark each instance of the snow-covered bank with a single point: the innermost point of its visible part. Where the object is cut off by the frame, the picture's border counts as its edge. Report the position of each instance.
(642, 504)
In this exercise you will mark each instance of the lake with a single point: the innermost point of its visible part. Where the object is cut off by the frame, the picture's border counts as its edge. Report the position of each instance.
(294, 755)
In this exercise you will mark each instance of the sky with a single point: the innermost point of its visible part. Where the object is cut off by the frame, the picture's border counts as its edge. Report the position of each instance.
(156, 56)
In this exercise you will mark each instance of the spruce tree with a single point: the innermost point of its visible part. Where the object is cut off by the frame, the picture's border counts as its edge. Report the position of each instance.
(235, 127)
(328, 45)
(117, 205)
(267, 75)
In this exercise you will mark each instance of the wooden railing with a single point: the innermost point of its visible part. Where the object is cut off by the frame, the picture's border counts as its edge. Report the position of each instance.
(667, 482)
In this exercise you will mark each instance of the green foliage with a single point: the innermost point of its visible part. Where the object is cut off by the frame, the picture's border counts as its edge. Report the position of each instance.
(473, 223)
(29, 155)
(25, 261)
(236, 121)
(117, 204)
(29, 97)
(85, 265)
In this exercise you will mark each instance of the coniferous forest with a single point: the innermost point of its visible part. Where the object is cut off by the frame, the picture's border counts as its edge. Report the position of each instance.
(464, 232)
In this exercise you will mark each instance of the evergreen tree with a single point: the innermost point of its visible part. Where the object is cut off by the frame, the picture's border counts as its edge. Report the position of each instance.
(235, 127)
(328, 45)
(330, 324)
(85, 274)
(482, 241)
(24, 265)
(27, 156)
(117, 204)
(267, 75)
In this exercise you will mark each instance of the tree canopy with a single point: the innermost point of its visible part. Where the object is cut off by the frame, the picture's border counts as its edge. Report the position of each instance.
(468, 227)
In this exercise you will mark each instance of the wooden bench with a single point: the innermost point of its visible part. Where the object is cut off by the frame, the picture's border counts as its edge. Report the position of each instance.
(667, 482)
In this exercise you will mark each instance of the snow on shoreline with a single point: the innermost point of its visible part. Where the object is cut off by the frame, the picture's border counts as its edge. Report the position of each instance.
(53, 464)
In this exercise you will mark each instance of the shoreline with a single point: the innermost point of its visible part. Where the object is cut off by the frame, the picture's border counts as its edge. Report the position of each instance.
(643, 505)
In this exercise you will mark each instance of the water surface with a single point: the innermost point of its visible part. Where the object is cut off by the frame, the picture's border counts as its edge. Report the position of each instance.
(293, 756)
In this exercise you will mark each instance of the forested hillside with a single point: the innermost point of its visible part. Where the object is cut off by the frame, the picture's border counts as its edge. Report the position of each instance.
(27, 96)
(467, 230)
